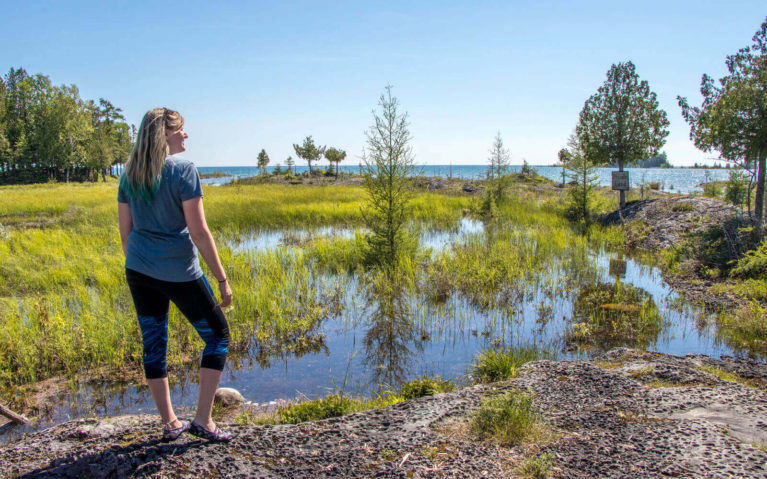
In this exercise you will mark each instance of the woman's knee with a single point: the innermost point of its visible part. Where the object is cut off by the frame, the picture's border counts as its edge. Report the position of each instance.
(215, 332)
(154, 332)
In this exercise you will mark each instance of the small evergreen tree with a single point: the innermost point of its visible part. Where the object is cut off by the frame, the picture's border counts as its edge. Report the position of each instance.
(583, 174)
(289, 163)
(736, 188)
(497, 173)
(263, 160)
(387, 167)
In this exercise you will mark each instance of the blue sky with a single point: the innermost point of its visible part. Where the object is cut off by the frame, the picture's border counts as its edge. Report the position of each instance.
(252, 75)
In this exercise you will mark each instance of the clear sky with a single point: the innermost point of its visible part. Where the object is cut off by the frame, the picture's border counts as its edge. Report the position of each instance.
(265, 74)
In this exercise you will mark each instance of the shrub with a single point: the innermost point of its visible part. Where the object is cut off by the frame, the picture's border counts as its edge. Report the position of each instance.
(508, 418)
(713, 190)
(425, 387)
(736, 188)
(493, 365)
(753, 264)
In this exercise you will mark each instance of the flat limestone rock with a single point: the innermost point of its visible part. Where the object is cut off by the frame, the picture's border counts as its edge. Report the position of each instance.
(628, 414)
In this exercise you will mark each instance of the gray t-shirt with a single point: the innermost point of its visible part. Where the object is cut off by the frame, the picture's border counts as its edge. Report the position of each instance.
(159, 244)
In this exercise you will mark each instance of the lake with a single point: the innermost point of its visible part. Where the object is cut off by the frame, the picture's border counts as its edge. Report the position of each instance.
(679, 180)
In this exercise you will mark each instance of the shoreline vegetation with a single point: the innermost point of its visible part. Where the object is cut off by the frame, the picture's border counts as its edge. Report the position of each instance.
(66, 314)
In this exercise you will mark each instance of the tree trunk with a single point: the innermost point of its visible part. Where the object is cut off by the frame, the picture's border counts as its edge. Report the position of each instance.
(759, 200)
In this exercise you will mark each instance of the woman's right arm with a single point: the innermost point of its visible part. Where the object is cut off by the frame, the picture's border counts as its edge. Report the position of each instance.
(198, 230)
(125, 220)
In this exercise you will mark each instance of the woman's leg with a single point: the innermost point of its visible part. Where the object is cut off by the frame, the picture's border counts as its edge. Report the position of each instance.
(209, 379)
(161, 396)
(196, 301)
(152, 308)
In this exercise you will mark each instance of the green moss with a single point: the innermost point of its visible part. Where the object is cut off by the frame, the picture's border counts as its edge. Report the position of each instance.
(727, 376)
(640, 373)
(333, 405)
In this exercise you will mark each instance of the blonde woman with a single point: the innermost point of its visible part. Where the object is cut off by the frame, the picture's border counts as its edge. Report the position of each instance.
(162, 226)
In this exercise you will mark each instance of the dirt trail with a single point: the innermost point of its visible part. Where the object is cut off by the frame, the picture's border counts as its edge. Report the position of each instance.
(611, 417)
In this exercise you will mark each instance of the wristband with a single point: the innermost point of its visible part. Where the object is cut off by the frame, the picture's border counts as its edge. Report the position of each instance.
(222, 281)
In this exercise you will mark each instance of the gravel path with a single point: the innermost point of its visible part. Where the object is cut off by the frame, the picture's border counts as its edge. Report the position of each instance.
(611, 418)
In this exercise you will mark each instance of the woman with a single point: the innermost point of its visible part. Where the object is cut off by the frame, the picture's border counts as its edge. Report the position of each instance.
(161, 221)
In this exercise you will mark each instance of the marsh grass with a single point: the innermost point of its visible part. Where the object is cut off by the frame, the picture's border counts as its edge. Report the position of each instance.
(536, 467)
(508, 419)
(745, 329)
(64, 304)
(425, 386)
(65, 307)
(501, 364)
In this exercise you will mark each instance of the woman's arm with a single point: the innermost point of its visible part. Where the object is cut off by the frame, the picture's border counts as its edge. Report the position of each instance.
(198, 230)
(125, 220)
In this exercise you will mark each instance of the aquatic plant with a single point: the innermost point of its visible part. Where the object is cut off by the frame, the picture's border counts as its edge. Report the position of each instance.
(608, 315)
(745, 330)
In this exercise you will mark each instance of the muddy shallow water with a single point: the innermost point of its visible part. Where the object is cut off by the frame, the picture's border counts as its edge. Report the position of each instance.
(369, 346)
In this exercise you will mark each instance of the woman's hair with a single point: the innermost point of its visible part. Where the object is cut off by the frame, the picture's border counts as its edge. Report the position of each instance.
(143, 171)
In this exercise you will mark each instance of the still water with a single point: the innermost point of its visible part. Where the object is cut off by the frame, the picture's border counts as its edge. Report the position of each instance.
(372, 343)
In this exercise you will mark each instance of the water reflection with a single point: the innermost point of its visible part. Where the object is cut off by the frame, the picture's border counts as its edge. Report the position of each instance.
(389, 336)
(607, 315)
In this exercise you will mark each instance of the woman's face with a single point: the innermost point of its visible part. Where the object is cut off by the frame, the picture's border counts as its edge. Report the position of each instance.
(176, 140)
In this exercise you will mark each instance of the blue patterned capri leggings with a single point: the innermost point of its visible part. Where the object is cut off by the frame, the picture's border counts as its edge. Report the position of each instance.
(195, 300)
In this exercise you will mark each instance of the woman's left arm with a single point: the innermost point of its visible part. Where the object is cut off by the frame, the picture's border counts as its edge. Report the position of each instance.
(125, 220)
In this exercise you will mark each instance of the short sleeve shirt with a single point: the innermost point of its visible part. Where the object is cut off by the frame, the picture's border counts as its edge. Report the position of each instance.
(159, 245)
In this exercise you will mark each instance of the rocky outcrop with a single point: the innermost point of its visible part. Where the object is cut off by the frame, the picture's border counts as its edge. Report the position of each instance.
(625, 414)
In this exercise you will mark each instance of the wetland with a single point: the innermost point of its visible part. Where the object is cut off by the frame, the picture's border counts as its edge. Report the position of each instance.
(308, 318)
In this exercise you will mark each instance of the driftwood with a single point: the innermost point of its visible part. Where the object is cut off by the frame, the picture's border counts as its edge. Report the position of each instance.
(12, 415)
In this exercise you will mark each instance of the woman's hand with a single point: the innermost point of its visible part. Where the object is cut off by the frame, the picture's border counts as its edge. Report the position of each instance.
(226, 293)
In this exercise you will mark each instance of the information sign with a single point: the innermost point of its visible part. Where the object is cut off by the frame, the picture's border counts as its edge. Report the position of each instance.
(621, 180)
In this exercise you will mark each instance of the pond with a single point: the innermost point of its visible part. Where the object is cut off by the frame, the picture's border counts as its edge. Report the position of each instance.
(375, 342)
